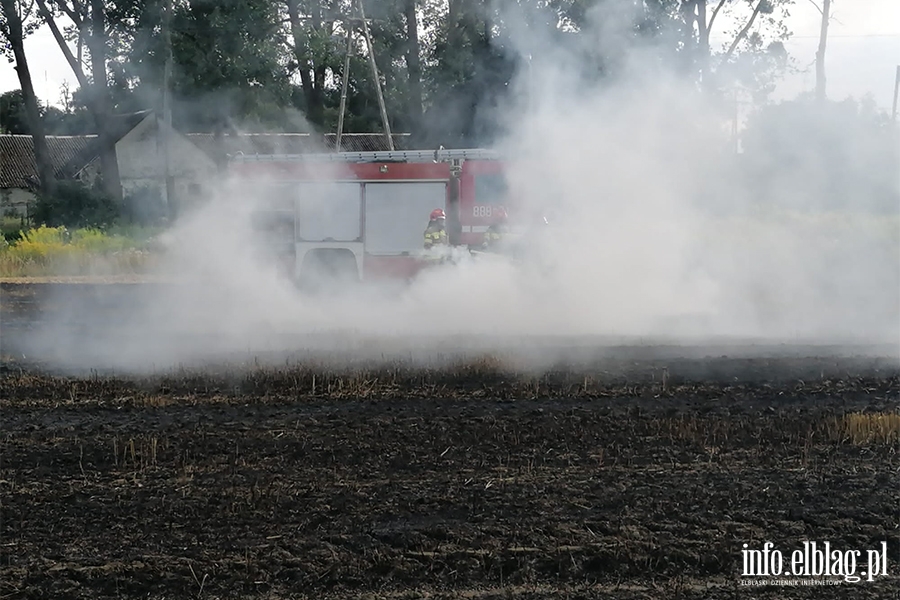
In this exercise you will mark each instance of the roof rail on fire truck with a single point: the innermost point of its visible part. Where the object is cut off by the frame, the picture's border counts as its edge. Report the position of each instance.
(376, 156)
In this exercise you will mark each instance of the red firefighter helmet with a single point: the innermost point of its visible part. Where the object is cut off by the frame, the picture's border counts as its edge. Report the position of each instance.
(500, 214)
(437, 213)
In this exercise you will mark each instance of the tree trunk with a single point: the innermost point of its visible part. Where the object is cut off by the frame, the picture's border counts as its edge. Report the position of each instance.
(820, 53)
(413, 65)
(703, 41)
(314, 105)
(109, 163)
(32, 110)
(743, 32)
(689, 15)
(97, 99)
(318, 87)
(74, 63)
(454, 37)
(318, 70)
(712, 19)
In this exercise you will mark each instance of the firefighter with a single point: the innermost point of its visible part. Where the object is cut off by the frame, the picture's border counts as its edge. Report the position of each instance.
(497, 230)
(436, 232)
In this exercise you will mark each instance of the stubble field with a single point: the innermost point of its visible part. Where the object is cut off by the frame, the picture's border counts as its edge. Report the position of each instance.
(636, 475)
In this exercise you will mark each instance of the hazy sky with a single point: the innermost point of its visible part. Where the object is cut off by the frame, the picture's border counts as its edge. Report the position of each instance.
(862, 56)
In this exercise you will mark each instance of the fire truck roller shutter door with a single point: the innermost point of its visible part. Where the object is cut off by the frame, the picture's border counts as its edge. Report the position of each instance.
(328, 212)
(328, 234)
(397, 213)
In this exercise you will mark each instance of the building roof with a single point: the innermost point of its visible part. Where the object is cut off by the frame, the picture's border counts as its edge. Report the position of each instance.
(70, 154)
(18, 168)
(366, 142)
(120, 126)
(292, 143)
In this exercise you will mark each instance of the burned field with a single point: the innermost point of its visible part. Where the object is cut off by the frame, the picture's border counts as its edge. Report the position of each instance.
(383, 483)
(637, 477)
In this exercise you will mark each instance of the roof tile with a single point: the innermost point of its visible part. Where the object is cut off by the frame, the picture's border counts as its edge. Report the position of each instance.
(291, 143)
(68, 154)
(18, 168)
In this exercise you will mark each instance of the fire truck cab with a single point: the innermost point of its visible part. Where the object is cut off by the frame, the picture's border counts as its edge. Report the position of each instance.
(361, 215)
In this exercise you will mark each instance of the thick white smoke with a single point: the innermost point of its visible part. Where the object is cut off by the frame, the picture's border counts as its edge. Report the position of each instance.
(653, 234)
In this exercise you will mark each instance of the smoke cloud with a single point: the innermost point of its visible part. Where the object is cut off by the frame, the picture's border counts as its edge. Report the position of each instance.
(656, 233)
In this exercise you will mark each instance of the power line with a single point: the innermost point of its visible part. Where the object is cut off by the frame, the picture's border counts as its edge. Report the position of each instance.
(830, 36)
(853, 36)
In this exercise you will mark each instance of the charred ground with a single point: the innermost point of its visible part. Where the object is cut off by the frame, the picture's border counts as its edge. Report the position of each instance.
(639, 474)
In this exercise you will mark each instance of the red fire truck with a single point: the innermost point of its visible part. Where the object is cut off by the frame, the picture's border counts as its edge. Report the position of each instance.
(363, 214)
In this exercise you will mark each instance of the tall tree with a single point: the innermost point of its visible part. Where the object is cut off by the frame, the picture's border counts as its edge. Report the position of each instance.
(820, 52)
(13, 119)
(90, 20)
(755, 49)
(413, 63)
(468, 72)
(229, 68)
(742, 34)
(312, 25)
(13, 28)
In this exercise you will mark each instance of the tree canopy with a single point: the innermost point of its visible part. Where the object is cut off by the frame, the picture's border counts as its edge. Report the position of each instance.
(445, 67)
(447, 70)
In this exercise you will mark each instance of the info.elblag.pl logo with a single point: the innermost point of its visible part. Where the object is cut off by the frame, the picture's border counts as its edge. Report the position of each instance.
(813, 559)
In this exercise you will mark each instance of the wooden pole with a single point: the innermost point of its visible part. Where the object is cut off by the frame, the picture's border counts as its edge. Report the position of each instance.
(167, 113)
(344, 79)
(734, 123)
(896, 92)
(381, 106)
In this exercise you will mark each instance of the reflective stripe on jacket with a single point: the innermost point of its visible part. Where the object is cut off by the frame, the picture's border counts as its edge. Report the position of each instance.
(494, 234)
(434, 237)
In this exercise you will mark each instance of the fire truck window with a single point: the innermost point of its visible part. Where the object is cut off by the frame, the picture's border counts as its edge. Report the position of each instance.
(272, 213)
(328, 212)
(490, 188)
(397, 213)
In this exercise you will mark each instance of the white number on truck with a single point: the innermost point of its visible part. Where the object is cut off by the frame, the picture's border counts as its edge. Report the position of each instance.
(481, 210)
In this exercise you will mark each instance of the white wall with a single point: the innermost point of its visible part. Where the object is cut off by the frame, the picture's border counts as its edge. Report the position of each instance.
(141, 163)
(140, 157)
(140, 166)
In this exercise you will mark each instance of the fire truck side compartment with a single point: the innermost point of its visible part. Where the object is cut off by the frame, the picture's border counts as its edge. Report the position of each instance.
(374, 213)
(396, 214)
(328, 212)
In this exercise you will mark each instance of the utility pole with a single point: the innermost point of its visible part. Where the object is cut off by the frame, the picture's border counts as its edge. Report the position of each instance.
(344, 79)
(820, 53)
(371, 48)
(530, 98)
(167, 113)
(735, 129)
(896, 93)
(894, 111)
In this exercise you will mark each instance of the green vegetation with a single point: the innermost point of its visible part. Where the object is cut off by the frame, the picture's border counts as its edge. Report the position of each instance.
(279, 65)
(74, 204)
(47, 251)
(11, 228)
(79, 230)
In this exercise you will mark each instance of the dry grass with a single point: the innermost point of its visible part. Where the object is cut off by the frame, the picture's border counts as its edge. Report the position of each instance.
(865, 428)
(120, 278)
(124, 262)
(709, 432)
